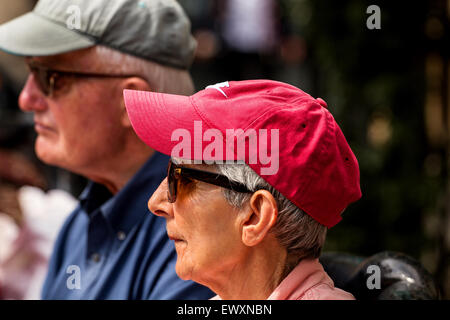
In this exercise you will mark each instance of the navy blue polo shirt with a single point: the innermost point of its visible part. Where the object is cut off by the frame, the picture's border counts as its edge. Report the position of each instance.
(112, 247)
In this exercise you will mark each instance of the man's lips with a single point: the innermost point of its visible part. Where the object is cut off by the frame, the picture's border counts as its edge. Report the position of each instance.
(40, 126)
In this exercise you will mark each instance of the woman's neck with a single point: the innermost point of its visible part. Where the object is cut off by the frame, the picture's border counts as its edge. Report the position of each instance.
(255, 277)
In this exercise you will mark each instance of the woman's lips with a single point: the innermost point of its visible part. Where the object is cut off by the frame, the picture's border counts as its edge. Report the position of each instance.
(175, 238)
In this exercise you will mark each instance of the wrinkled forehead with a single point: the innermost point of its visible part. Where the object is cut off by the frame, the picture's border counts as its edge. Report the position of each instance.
(84, 59)
(190, 164)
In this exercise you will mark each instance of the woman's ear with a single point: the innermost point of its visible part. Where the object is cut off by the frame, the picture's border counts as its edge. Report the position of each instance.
(260, 218)
(132, 83)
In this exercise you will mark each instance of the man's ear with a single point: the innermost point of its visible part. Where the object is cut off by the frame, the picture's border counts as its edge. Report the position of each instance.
(262, 215)
(132, 83)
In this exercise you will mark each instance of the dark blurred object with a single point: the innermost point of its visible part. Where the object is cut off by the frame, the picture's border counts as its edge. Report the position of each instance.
(249, 26)
(401, 277)
(250, 36)
(237, 40)
(13, 66)
(16, 169)
(16, 128)
(8, 96)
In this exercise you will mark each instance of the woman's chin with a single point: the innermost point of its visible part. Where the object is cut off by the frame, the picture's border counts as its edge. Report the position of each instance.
(182, 274)
(185, 268)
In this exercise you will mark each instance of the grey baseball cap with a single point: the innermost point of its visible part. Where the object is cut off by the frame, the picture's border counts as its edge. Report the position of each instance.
(156, 30)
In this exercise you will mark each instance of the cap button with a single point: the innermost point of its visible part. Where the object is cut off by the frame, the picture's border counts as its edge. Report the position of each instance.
(322, 102)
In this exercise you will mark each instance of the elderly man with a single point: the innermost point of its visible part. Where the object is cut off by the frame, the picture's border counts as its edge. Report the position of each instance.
(252, 229)
(82, 55)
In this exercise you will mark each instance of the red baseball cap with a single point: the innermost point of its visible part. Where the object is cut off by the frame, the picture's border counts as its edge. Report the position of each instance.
(289, 138)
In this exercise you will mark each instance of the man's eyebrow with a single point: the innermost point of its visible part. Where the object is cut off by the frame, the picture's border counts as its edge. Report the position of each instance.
(34, 62)
(29, 60)
(46, 64)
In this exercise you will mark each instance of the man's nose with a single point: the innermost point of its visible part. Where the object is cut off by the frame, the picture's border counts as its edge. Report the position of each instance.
(158, 203)
(31, 99)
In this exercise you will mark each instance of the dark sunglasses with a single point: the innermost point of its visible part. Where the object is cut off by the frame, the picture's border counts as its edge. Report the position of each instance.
(175, 173)
(46, 78)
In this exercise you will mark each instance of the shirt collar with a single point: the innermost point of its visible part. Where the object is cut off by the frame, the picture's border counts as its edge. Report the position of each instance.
(129, 205)
(307, 274)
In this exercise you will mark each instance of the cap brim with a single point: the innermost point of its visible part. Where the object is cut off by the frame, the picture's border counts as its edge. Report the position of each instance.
(32, 35)
(163, 120)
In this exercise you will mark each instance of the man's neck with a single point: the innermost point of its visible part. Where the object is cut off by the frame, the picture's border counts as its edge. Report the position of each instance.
(116, 174)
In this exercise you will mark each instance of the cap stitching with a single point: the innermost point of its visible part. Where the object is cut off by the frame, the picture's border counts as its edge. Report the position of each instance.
(201, 114)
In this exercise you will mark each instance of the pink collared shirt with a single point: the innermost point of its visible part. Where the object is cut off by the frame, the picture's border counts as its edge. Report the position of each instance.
(308, 281)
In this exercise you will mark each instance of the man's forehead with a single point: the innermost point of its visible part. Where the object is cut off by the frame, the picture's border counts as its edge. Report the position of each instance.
(85, 58)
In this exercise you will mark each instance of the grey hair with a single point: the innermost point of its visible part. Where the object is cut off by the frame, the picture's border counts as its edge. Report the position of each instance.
(302, 236)
(160, 78)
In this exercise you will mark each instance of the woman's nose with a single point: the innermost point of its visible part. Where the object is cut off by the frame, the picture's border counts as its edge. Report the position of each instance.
(31, 98)
(158, 203)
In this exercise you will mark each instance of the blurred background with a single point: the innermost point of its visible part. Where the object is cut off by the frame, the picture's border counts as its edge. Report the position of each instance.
(386, 85)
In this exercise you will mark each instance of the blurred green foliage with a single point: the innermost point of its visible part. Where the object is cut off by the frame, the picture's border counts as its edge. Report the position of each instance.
(374, 83)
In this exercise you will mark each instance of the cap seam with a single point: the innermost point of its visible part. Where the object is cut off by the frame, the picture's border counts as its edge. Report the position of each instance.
(277, 111)
(109, 9)
(314, 172)
(262, 115)
(200, 113)
(322, 151)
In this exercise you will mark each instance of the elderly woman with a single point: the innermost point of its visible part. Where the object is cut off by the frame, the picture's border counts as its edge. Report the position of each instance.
(254, 227)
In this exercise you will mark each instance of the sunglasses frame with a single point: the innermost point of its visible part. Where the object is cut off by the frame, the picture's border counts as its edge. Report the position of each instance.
(46, 77)
(175, 172)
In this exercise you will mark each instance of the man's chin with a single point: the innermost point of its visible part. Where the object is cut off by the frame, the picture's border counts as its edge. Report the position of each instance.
(46, 153)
